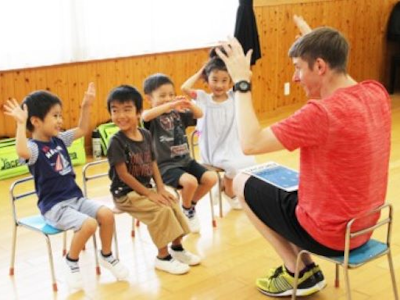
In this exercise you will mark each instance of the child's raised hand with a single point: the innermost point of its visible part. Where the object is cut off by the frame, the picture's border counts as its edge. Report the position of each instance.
(90, 95)
(301, 25)
(181, 103)
(13, 109)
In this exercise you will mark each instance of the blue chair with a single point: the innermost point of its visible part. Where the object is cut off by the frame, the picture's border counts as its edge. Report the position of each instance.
(35, 223)
(370, 251)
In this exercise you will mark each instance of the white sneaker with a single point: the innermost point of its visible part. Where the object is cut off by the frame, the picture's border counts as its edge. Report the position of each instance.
(194, 223)
(115, 266)
(185, 257)
(172, 266)
(73, 276)
(193, 220)
(233, 202)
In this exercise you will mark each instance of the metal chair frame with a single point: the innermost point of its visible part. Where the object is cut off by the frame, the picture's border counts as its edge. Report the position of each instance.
(372, 250)
(37, 224)
(219, 171)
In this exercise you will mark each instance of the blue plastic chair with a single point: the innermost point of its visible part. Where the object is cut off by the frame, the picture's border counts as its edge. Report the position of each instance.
(352, 259)
(37, 224)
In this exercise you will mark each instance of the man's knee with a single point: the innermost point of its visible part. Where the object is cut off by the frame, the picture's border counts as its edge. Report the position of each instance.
(239, 183)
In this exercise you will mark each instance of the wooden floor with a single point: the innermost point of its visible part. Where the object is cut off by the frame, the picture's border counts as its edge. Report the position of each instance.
(234, 254)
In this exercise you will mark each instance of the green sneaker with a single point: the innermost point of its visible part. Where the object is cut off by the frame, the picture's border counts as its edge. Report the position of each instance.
(319, 276)
(280, 284)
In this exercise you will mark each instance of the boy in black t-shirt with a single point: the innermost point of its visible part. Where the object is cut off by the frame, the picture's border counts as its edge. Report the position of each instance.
(132, 166)
(167, 121)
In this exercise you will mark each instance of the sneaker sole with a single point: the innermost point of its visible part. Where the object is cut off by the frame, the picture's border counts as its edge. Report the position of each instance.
(299, 292)
(321, 285)
(173, 273)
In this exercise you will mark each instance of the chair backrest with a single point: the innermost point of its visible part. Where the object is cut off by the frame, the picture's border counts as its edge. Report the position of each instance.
(22, 189)
(88, 173)
(193, 142)
(385, 220)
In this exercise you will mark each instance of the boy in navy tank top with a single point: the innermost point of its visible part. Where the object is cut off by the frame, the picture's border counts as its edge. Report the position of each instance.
(61, 201)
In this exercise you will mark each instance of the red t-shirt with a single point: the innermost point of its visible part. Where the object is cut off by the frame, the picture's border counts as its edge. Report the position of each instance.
(344, 143)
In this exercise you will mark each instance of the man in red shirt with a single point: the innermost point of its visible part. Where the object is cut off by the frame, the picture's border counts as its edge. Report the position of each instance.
(344, 142)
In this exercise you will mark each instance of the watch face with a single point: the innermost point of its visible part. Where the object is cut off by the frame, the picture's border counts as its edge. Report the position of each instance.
(242, 86)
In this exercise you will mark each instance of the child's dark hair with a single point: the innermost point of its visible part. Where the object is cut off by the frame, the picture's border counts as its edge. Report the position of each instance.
(215, 63)
(39, 104)
(125, 93)
(154, 81)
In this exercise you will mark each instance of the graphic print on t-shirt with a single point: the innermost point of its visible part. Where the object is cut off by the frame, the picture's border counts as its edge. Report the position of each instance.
(176, 140)
(57, 160)
(140, 163)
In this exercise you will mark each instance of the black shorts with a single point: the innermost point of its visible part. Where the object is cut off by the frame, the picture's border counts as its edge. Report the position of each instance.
(171, 177)
(276, 208)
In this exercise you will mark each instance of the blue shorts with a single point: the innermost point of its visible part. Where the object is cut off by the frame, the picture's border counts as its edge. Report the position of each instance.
(70, 214)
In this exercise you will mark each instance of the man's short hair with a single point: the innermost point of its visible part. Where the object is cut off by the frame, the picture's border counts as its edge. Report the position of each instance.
(325, 43)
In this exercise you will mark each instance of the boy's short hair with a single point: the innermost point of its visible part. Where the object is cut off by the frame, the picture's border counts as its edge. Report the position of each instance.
(326, 43)
(125, 93)
(39, 104)
(154, 81)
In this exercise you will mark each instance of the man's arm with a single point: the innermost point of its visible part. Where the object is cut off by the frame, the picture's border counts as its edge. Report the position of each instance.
(84, 120)
(20, 115)
(253, 138)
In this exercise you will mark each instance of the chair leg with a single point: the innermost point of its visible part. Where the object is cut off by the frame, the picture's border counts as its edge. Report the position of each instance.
(221, 211)
(396, 295)
(213, 221)
(296, 274)
(116, 240)
(347, 281)
(64, 252)
(50, 252)
(337, 281)
(133, 227)
(13, 248)
(96, 254)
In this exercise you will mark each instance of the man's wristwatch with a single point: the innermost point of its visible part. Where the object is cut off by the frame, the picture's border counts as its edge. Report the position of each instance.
(242, 86)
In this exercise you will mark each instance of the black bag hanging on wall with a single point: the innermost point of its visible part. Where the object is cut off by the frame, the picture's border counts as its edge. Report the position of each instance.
(394, 24)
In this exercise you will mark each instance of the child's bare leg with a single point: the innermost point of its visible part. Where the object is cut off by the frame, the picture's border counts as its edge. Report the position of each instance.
(105, 217)
(208, 180)
(228, 187)
(189, 186)
(81, 237)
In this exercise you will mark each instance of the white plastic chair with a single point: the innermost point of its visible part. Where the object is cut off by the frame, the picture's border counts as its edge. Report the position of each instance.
(37, 224)
(370, 251)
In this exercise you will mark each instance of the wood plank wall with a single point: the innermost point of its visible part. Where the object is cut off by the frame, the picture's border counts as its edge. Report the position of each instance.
(363, 22)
